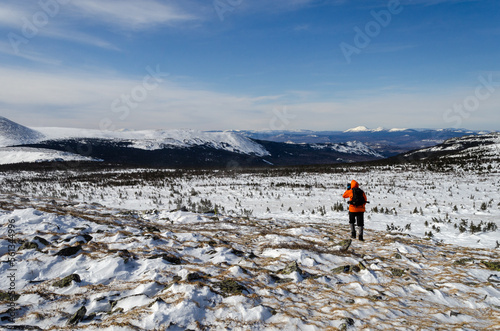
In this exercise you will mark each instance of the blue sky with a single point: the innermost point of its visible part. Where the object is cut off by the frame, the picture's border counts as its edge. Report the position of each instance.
(242, 64)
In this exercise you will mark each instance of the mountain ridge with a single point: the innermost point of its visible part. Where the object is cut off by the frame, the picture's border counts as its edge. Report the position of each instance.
(193, 148)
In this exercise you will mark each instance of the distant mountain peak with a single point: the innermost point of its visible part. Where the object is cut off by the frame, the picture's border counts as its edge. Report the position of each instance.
(365, 129)
(398, 129)
(358, 129)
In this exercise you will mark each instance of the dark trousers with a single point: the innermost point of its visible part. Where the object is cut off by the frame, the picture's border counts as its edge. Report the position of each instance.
(357, 218)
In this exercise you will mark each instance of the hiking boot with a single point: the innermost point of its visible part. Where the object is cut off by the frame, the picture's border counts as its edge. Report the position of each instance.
(353, 235)
(361, 237)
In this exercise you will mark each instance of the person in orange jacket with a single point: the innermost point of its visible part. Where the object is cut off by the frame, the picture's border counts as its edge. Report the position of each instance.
(356, 213)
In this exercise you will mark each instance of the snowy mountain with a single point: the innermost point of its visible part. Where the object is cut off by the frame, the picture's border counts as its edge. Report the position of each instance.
(160, 139)
(191, 148)
(349, 147)
(471, 148)
(387, 142)
(172, 148)
(12, 133)
(364, 129)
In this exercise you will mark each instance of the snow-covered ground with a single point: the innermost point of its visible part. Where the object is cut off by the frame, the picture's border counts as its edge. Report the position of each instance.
(12, 155)
(266, 254)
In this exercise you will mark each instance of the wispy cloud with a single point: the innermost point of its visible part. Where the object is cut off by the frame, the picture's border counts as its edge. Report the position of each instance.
(10, 16)
(132, 14)
(84, 99)
(87, 98)
(6, 48)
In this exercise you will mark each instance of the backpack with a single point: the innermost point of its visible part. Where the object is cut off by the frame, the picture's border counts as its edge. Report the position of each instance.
(358, 199)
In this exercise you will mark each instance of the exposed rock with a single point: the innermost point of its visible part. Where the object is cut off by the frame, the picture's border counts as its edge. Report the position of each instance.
(397, 272)
(194, 277)
(345, 244)
(5, 296)
(347, 323)
(125, 255)
(42, 240)
(237, 252)
(494, 279)
(21, 327)
(66, 281)
(291, 267)
(230, 287)
(87, 237)
(492, 265)
(463, 261)
(68, 251)
(375, 297)
(279, 280)
(28, 245)
(347, 269)
(152, 229)
(78, 316)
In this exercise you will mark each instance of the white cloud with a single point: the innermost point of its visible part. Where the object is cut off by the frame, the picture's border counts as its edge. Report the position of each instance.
(11, 16)
(85, 99)
(7, 48)
(132, 14)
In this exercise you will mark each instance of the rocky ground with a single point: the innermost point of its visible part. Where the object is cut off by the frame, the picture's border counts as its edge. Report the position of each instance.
(89, 267)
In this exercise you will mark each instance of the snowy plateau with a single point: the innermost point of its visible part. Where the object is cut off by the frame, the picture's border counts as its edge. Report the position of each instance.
(144, 249)
(100, 246)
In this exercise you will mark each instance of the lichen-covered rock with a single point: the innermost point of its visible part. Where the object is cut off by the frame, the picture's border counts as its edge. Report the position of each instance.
(492, 265)
(28, 245)
(347, 269)
(279, 280)
(78, 316)
(230, 287)
(347, 323)
(345, 244)
(66, 281)
(289, 268)
(397, 272)
(5, 296)
(463, 261)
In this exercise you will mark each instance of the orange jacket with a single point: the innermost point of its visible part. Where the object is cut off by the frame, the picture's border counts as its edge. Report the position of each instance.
(348, 194)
